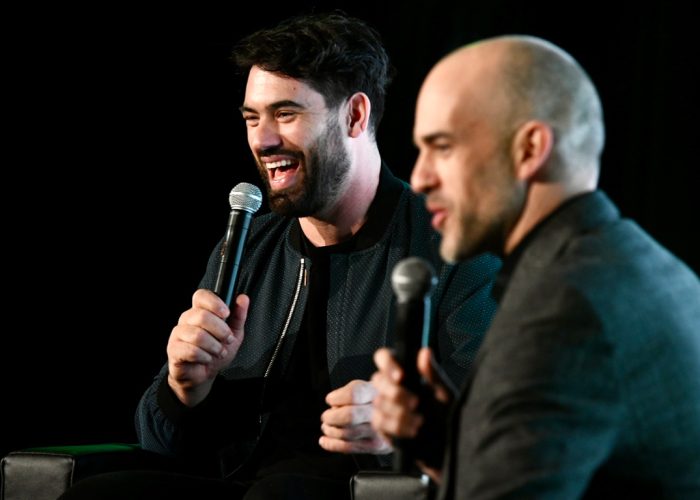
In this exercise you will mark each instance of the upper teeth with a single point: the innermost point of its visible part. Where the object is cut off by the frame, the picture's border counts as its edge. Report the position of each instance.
(277, 164)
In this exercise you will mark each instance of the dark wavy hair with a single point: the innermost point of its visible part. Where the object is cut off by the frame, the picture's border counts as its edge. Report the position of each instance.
(335, 54)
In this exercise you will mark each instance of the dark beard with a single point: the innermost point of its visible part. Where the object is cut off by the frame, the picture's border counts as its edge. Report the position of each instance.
(326, 169)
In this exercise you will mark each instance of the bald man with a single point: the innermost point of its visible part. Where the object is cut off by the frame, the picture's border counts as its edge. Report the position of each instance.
(587, 384)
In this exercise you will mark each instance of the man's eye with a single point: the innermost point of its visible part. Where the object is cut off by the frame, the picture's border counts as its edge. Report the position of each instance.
(250, 120)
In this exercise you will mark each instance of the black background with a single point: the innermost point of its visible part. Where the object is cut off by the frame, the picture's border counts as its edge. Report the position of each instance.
(124, 140)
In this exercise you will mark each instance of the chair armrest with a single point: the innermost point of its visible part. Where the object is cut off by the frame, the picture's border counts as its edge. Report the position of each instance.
(387, 485)
(45, 473)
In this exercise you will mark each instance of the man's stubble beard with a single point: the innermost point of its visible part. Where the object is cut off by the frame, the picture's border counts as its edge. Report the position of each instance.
(479, 232)
(323, 181)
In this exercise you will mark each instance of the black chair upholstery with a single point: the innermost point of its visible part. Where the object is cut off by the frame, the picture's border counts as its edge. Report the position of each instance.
(380, 485)
(46, 473)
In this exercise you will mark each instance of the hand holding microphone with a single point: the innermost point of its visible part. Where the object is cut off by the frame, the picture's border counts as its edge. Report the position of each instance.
(209, 334)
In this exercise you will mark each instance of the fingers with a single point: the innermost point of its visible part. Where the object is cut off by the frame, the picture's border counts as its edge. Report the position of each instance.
(202, 336)
(208, 300)
(202, 343)
(346, 437)
(208, 313)
(190, 344)
(395, 423)
(394, 407)
(185, 336)
(434, 473)
(378, 445)
(387, 364)
(346, 424)
(351, 433)
(355, 392)
(240, 313)
(342, 416)
(426, 367)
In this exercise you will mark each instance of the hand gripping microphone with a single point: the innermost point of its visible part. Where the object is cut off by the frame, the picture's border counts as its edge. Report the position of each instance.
(413, 280)
(245, 200)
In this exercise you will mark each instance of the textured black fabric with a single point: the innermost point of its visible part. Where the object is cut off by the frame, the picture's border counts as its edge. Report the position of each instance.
(158, 485)
(152, 485)
(290, 442)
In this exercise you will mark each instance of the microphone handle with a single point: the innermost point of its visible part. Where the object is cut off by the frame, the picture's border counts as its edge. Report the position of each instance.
(409, 337)
(230, 254)
(410, 316)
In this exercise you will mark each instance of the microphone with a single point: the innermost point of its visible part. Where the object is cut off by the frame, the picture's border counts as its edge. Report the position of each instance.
(245, 199)
(413, 280)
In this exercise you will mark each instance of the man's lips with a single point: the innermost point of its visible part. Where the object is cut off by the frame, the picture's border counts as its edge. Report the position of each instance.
(439, 214)
(282, 172)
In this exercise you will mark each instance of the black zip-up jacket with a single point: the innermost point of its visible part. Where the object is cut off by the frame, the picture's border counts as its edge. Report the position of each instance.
(226, 426)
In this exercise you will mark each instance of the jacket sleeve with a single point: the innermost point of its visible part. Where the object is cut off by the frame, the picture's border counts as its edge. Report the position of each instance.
(463, 312)
(201, 434)
(222, 427)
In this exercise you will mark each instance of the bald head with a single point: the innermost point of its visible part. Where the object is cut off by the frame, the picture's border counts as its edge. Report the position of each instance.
(507, 129)
(513, 79)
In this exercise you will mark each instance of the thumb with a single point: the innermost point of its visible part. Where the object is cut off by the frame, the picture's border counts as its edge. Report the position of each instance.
(429, 372)
(239, 315)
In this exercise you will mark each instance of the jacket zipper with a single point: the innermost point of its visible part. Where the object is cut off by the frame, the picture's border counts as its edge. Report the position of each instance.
(301, 279)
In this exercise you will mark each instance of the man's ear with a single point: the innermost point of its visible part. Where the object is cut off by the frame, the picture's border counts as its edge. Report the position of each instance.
(359, 109)
(532, 147)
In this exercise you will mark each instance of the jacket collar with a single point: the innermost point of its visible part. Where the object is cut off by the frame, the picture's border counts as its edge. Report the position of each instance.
(379, 215)
(551, 235)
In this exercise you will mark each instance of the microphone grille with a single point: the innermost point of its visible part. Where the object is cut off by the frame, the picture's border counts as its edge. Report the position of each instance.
(246, 197)
(413, 278)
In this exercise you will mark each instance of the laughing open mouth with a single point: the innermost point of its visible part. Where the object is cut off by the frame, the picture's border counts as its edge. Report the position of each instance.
(282, 173)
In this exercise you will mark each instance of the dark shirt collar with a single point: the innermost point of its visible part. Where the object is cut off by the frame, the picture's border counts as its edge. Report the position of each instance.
(511, 260)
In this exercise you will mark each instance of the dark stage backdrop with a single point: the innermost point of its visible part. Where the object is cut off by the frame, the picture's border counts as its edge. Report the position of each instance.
(128, 140)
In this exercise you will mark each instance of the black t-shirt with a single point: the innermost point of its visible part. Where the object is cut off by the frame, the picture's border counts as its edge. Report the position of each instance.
(296, 398)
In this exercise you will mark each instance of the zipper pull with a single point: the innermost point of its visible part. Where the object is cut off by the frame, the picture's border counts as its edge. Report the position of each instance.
(306, 273)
